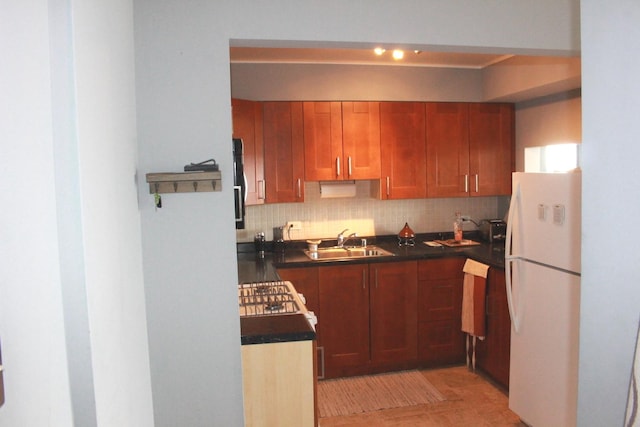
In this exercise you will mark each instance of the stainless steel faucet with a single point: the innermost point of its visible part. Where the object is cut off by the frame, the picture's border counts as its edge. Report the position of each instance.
(342, 240)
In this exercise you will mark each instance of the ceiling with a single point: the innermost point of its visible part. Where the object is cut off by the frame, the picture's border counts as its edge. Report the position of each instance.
(362, 57)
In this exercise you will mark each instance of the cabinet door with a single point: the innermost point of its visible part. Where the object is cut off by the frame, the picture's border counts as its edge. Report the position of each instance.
(283, 152)
(393, 296)
(402, 150)
(344, 305)
(447, 134)
(440, 338)
(493, 354)
(247, 124)
(361, 140)
(305, 280)
(491, 158)
(323, 141)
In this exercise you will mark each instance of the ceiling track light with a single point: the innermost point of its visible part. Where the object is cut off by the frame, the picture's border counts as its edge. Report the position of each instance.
(398, 54)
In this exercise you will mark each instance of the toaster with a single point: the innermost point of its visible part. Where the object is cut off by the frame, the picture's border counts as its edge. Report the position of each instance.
(493, 230)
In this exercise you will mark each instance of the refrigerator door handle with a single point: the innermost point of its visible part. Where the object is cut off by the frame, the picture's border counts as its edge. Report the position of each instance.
(509, 258)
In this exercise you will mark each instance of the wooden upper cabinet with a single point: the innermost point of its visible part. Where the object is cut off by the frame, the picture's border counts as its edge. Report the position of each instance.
(469, 149)
(323, 141)
(247, 125)
(342, 140)
(283, 151)
(361, 139)
(447, 134)
(491, 156)
(402, 150)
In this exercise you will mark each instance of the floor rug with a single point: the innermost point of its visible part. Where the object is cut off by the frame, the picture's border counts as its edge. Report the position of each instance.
(344, 396)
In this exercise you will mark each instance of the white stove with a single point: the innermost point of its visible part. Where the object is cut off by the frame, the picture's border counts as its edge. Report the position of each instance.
(268, 299)
(273, 298)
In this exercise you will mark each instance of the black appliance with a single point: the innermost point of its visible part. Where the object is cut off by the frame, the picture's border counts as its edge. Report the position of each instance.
(239, 182)
(493, 230)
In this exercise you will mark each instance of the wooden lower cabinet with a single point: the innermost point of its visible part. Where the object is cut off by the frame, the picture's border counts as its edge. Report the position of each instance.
(398, 315)
(305, 280)
(493, 353)
(440, 340)
(344, 303)
(368, 317)
(393, 312)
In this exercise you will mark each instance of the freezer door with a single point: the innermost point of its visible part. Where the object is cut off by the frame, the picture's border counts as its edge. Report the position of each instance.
(543, 378)
(545, 218)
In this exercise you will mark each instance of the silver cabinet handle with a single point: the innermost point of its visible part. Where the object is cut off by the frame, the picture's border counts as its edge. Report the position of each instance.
(477, 186)
(466, 183)
(321, 351)
(388, 186)
(337, 166)
(261, 189)
(299, 188)
(349, 163)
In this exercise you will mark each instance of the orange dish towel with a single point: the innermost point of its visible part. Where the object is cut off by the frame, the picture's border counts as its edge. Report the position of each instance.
(474, 289)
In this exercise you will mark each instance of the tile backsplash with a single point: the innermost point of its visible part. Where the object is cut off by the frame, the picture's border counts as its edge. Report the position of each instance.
(367, 216)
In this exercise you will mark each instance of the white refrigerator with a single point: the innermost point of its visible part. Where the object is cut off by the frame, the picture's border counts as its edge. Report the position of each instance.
(542, 266)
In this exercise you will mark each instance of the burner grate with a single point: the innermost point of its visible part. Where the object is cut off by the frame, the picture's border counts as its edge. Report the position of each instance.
(266, 299)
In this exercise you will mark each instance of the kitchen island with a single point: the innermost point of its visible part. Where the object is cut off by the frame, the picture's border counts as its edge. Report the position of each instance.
(278, 363)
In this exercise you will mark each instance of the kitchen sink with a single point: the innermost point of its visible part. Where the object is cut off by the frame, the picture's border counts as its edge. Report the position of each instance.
(336, 253)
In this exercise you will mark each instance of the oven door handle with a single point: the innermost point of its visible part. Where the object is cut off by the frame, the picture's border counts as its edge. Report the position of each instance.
(237, 189)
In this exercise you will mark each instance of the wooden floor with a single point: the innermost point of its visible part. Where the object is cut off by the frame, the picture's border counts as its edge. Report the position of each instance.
(471, 400)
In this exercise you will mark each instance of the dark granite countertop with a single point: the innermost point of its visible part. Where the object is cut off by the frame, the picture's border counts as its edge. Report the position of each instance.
(252, 268)
(274, 329)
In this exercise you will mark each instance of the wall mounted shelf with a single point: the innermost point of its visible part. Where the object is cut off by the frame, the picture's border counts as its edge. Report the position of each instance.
(187, 182)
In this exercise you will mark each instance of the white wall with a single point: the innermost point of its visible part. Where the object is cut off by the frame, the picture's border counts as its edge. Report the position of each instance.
(522, 78)
(36, 375)
(183, 91)
(610, 304)
(326, 82)
(111, 235)
(72, 305)
(554, 119)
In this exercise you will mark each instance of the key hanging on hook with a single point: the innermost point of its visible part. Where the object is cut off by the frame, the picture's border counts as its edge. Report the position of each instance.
(156, 198)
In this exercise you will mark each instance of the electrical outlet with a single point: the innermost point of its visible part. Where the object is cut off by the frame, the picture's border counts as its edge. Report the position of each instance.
(294, 225)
